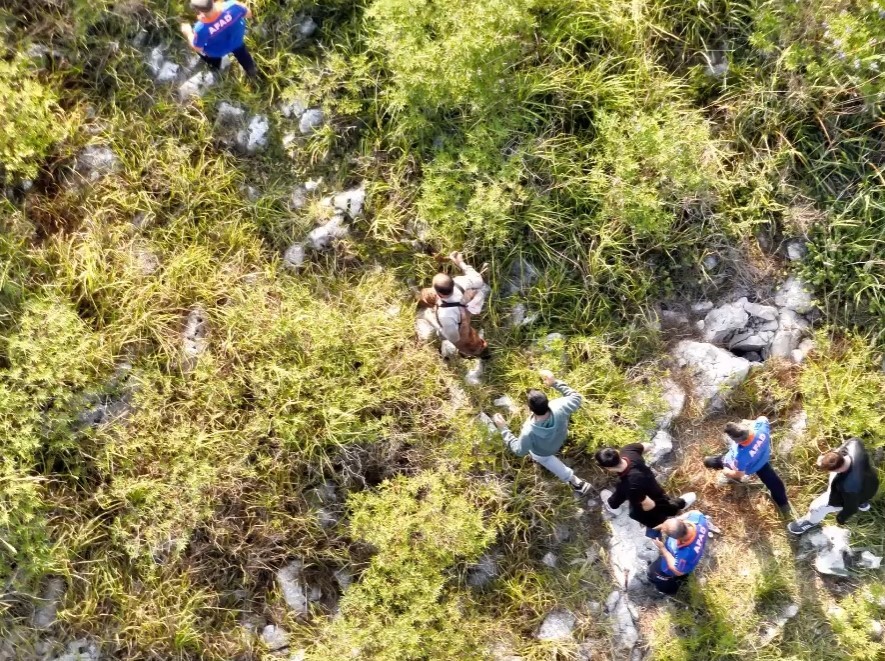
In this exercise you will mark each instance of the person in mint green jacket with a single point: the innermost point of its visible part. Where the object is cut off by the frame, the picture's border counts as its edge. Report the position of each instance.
(546, 429)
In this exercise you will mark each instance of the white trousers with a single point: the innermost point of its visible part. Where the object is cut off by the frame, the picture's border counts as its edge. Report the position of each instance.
(555, 466)
(819, 508)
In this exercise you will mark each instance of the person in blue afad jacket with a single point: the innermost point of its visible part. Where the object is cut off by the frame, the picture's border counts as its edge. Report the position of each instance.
(748, 454)
(686, 540)
(220, 30)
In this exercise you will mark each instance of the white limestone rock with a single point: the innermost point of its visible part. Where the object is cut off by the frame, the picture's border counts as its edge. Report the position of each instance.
(80, 650)
(473, 377)
(630, 551)
(483, 572)
(323, 237)
(294, 256)
(558, 625)
(674, 398)
(662, 446)
(293, 109)
(95, 162)
(795, 295)
(291, 584)
(254, 137)
(350, 201)
(45, 613)
(714, 372)
(797, 250)
(549, 560)
(311, 121)
(194, 335)
(196, 86)
(505, 402)
(623, 618)
(274, 637)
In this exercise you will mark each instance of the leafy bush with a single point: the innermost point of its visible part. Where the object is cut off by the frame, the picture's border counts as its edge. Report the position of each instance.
(32, 121)
(403, 607)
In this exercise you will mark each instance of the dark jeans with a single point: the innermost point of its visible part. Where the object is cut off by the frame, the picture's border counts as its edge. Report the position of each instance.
(663, 582)
(243, 57)
(769, 478)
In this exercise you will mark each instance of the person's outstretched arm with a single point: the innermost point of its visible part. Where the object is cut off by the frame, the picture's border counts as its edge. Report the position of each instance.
(188, 31)
(518, 445)
(573, 399)
(473, 278)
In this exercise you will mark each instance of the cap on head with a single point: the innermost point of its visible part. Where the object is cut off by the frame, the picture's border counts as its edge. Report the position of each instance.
(443, 284)
(831, 461)
(675, 528)
(737, 432)
(202, 5)
(538, 403)
(608, 457)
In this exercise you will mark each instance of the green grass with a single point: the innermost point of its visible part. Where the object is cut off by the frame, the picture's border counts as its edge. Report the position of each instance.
(584, 136)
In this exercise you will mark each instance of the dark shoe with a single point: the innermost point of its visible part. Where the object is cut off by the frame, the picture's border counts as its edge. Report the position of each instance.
(581, 487)
(800, 526)
(863, 507)
(713, 462)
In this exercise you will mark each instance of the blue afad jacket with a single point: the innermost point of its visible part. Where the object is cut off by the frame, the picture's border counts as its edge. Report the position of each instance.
(687, 554)
(754, 453)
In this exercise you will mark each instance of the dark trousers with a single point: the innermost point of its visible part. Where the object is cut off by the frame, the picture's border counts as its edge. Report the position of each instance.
(663, 582)
(243, 57)
(770, 479)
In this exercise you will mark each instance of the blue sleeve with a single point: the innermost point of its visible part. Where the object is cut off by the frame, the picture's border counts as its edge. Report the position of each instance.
(238, 11)
(687, 560)
(741, 459)
(200, 34)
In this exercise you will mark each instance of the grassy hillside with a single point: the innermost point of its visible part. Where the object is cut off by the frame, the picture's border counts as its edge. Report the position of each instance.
(636, 153)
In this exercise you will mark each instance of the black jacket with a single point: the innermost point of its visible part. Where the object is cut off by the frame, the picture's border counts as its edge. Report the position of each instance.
(635, 484)
(855, 486)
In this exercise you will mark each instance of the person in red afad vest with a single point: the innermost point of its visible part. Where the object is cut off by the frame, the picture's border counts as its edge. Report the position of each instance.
(220, 30)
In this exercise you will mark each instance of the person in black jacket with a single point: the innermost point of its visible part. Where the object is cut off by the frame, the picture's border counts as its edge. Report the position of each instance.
(649, 504)
(853, 483)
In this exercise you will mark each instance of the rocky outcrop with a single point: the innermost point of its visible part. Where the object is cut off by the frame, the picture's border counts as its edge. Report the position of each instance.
(623, 618)
(95, 162)
(674, 400)
(558, 625)
(629, 550)
(795, 295)
(712, 371)
(741, 326)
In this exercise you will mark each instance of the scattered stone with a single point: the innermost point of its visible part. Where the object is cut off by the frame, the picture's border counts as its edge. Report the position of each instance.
(799, 354)
(714, 372)
(753, 356)
(312, 185)
(717, 63)
(523, 275)
(80, 650)
(549, 559)
(194, 334)
(474, 375)
(298, 655)
(196, 86)
(710, 262)
(623, 620)
(519, 316)
(629, 550)
(831, 543)
(507, 403)
(784, 343)
(772, 630)
(148, 263)
(876, 630)
(322, 237)
(344, 578)
(797, 250)
(674, 397)
(305, 27)
(869, 560)
(741, 326)
(293, 258)
(45, 613)
(795, 433)
(298, 199)
(674, 318)
(483, 572)
(294, 109)
(350, 201)
(254, 137)
(311, 121)
(662, 446)
(276, 638)
(558, 625)
(289, 578)
(702, 307)
(485, 420)
(794, 295)
(95, 162)
(561, 533)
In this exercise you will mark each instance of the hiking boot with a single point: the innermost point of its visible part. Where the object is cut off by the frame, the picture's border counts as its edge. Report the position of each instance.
(688, 499)
(580, 487)
(800, 526)
(863, 507)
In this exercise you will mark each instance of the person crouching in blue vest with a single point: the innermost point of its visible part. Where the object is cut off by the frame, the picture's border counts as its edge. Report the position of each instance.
(748, 454)
(685, 542)
(220, 30)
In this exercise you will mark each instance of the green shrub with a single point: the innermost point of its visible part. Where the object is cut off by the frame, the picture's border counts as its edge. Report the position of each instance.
(32, 120)
(403, 606)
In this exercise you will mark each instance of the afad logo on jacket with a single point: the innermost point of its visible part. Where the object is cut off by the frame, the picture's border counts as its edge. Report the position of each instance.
(757, 445)
(223, 21)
